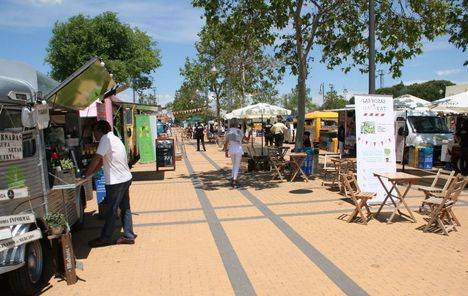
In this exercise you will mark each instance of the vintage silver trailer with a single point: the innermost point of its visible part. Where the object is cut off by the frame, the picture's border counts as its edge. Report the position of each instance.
(25, 183)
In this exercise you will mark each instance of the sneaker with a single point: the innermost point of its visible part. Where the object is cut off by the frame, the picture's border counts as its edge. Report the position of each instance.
(125, 241)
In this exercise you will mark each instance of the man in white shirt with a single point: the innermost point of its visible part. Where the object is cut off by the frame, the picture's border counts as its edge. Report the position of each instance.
(278, 129)
(112, 156)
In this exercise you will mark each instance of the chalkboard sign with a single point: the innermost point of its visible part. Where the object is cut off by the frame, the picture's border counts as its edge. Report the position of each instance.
(165, 154)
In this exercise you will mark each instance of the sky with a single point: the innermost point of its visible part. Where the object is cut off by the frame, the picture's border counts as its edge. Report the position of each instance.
(26, 26)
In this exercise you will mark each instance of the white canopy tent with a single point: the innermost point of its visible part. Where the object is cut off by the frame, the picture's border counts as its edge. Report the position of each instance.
(409, 102)
(457, 103)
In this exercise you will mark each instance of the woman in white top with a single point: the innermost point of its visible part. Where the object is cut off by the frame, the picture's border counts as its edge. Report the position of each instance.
(233, 148)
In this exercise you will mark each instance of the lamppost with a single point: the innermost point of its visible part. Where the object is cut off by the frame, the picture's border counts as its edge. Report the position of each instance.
(214, 71)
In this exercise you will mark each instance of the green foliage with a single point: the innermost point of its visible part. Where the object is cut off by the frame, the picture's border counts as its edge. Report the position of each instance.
(458, 29)
(333, 101)
(130, 54)
(290, 100)
(55, 220)
(430, 90)
(244, 72)
(336, 31)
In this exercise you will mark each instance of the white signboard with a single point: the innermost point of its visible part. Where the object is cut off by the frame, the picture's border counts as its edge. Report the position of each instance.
(375, 141)
(16, 219)
(11, 146)
(20, 239)
(7, 194)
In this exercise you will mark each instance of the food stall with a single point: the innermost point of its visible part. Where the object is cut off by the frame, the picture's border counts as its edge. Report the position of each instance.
(41, 159)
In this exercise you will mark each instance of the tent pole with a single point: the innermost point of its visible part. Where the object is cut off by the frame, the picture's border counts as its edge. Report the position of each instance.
(263, 133)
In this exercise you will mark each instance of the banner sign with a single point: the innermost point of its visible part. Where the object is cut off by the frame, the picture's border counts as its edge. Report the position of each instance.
(20, 240)
(100, 183)
(16, 219)
(11, 146)
(145, 140)
(8, 194)
(375, 141)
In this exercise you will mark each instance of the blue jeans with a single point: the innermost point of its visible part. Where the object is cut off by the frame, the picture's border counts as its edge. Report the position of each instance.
(117, 197)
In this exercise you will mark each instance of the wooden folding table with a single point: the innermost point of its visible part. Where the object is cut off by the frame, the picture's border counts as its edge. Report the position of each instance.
(296, 160)
(397, 200)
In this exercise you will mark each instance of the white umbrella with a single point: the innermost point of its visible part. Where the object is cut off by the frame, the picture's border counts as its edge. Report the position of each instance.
(410, 102)
(456, 103)
(260, 110)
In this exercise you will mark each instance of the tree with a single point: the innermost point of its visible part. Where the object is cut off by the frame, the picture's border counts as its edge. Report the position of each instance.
(429, 90)
(244, 73)
(187, 98)
(333, 101)
(290, 101)
(130, 54)
(458, 29)
(337, 32)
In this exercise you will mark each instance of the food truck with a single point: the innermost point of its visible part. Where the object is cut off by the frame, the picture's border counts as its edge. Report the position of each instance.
(38, 136)
(323, 127)
(124, 121)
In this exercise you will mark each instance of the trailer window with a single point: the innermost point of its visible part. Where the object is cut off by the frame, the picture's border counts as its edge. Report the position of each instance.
(428, 124)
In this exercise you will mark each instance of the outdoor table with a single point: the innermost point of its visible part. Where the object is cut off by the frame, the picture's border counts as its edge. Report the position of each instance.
(296, 160)
(395, 178)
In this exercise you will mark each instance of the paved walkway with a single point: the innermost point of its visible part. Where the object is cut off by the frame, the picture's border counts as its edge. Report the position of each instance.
(199, 237)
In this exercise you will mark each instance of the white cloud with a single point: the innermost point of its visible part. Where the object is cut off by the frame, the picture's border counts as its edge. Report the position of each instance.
(447, 72)
(165, 20)
(46, 2)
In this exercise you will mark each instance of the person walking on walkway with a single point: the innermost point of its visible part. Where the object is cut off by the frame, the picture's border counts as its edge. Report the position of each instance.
(111, 154)
(233, 148)
(278, 129)
(200, 136)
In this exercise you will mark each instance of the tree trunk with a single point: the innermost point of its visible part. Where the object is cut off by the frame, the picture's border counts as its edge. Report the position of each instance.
(301, 97)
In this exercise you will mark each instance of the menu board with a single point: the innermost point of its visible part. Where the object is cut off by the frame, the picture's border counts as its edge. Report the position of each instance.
(375, 141)
(165, 154)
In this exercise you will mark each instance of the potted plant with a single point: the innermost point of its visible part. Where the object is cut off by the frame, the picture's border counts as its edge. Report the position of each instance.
(56, 223)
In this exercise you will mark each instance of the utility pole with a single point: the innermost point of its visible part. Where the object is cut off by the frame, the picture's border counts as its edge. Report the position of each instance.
(322, 92)
(371, 46)
(381, 77)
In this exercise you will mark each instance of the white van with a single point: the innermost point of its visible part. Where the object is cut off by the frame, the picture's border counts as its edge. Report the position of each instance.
(424, 128)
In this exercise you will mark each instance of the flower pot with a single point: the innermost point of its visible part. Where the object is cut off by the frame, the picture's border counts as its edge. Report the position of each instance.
(56, 230)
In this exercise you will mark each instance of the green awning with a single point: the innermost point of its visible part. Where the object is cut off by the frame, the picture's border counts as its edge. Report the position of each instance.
(83, 87)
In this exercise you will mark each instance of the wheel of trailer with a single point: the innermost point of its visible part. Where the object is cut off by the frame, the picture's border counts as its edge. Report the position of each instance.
(37, 270)
(81, 214)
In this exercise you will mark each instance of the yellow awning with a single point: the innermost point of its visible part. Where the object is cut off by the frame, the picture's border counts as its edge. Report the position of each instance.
(321, 114)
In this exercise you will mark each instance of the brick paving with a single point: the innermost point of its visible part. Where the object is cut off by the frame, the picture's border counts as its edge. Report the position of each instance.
(196, 236)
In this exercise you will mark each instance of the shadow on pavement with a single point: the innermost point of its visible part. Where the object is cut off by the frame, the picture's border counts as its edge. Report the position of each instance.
(218, 179)
(148, 176)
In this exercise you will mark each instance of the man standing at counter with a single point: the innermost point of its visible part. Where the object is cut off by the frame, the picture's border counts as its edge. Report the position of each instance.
(112, 156)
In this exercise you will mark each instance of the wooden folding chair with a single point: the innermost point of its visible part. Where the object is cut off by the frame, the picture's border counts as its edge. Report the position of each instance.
(277, 162)
(440, 175)
(441, 204)
(359, 198)
(433, 187)
(329, 171)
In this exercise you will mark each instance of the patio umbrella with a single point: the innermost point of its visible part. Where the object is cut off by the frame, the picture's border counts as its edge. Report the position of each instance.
(260, 111)
(457, 103)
